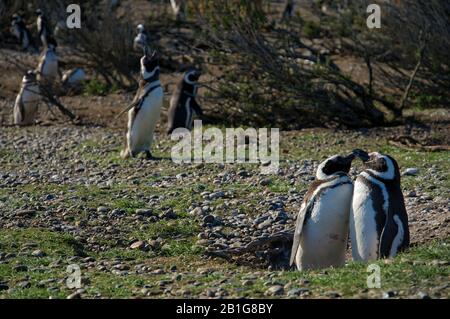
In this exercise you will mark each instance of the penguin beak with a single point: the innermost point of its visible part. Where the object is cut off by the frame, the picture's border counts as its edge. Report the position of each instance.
(363, 155)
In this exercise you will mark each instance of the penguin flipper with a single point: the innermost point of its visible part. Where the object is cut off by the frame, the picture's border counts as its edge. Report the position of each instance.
(387, 236)
(302, 216)
(397, 218)
(198, 110)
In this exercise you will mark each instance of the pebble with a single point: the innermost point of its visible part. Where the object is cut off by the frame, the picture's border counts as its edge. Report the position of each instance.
(102, 209)
(138, 245)
(144, 212)
(20, 268)
(209, 219)
(275, 291)
(38, 253)
(411, 171)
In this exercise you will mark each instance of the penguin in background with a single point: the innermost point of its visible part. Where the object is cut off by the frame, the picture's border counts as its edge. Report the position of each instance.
(378, 218)
(142, 39)
(44, 30)
(73, 78)
(321, 231)
(27, 101)
(183, 103)
(145, 110)
(21, 32)
(48, 68)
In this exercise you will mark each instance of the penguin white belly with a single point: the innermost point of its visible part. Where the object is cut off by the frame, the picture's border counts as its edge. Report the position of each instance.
(324, 236)
(29, 98)
(49, 68)
(142, 127)
(363, 227)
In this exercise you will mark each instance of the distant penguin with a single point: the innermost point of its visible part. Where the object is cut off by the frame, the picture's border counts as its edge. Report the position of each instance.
(321, 232)
(142, 39)
(183, 103)
(378, 219)
(145, 109)
(44, 30)
(179, 9)
(48, 68)
(73, 77)
(26, 105)
(20, 31)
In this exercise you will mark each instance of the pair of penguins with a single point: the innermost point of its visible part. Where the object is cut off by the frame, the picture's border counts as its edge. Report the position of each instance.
(23, 35)
(145, 110)
(373, 208)
(27, 101)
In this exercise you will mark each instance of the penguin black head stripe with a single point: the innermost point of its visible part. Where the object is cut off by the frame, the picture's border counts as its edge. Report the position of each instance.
(192, 76)
(380, 165)
(333, 165)
(150, 66)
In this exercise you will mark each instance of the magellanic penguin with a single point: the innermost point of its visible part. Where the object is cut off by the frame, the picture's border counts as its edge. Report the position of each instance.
(378, 218)
(321, 232)
(48, 68)
(27, 101)
(20, 31)
(142, 39)
(144, 111)
(44, 30)
(73, 77)
(183, 103)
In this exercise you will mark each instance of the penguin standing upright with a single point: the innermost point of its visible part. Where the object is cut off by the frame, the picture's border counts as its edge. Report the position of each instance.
(142, 39)
(144, 111)
(44, 30)
(20, 31)
(183, 103)
(378, 218)
(48, 68)
(27, 100)
(320, 237)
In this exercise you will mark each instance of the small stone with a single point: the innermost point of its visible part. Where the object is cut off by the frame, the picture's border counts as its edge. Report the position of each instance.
(423, 295)
(137, 245)
(198, 211)
(102, 209)
(296, 292)
(411, 194)
(265, 181)
(75, 295)
(24, 284)
(209, 219)
(388, 294)
(144, 212)
(19, 268)
(411, 171)
(38, 253)
(275, 291)
(216, 195)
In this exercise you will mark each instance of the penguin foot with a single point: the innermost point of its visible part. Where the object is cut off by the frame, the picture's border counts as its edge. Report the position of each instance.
(125, 154)
(148, 155)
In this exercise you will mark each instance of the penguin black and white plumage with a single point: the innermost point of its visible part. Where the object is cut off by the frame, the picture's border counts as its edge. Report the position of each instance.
(20, 31)
(142, 39)
(378, 218)
(44, 30)
(73, 77)
(145, 110)
(321, 232)
(183, 103)
(27, 101)
(48, 68)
